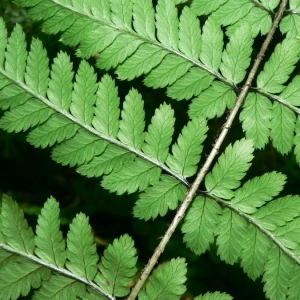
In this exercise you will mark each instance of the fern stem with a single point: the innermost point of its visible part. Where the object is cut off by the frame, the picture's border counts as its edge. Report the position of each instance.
(54, 268)
(203, 171)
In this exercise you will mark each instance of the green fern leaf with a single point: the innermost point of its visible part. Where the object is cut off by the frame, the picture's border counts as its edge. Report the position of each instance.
(283, 123)
(214, 296)
(117, 267)
(200, 224)
(121, 13)
(187, 150)
(60, 84)
(15, 229)
(50, 246)
(18, 277)
(270, 4)
(143, 18)
(3, 39)
(236, 57)
(278, 212)
(257, 191)
(255, 251)
(258, 20)
(167, 23)
(11, 95)
(191, 84)
(83, 96)
(290, 25)
(81, 148)
(61, 287)
(277, 274)
(55, 130)
(213, 101)
(256, 119)
(113, 158)
(189, 34)
(167, 281)
(231, 231)
(170, 69)
(212, 44)
(284, 59)
(291, 92)
(137, 175)
(132, 125)
(232, 11)
(16, 55)
(159, 135)
(107, 110)
(156, 200)
(141, 62)
(297, 141)
(294, 290)
(81, 249)
(37, 71)
(205, 7)
(230, 169)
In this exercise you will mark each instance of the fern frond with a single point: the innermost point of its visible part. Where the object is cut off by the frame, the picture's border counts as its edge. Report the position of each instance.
(81, 119)
(214, 296)
(43, 263)
(166, 282)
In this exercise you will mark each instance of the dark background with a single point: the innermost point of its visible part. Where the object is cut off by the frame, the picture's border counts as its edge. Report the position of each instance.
(30, 177)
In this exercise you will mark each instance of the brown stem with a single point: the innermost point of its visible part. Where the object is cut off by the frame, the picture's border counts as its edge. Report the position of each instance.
(194, 187)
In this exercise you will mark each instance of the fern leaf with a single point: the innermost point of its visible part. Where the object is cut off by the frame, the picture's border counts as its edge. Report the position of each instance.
(37, 71)
(159, 134)
(231, 231)
(283, 123)
(81, 148)
(83, 96)
(81, 252)
(294, 290)
(284, 59)
(167, 23)
(143, 18)
(205, 7)
(137, 175)
(257, 191)
(191, 84)
(297, 141)
(142, 61)
(15, 229)
(25, 116)
(230, 169)
(276, 276)
(212, 44)
(236, 57)
(213, 101)
(156, 200)
(232, 11)
(256, 119)
(117, 267)
(121, 13)
(16, 55)
(11, 95)
(19, 277)
(189, 34)
(200, 224)
(107, 110)
(167, 281)
(187, 150)
(255, 252)
(270, 4)
(132, 125)
(278, 212)
(3, 39)
(290, 25)
(113, 158)
(258, 20)
(50, 246)
(214, 296)
(291, 92)
(60, 84)
(61, 287)
(55, 130)
(170, 69)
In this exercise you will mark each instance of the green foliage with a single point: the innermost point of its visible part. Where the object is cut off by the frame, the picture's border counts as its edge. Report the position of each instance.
(100, 132)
